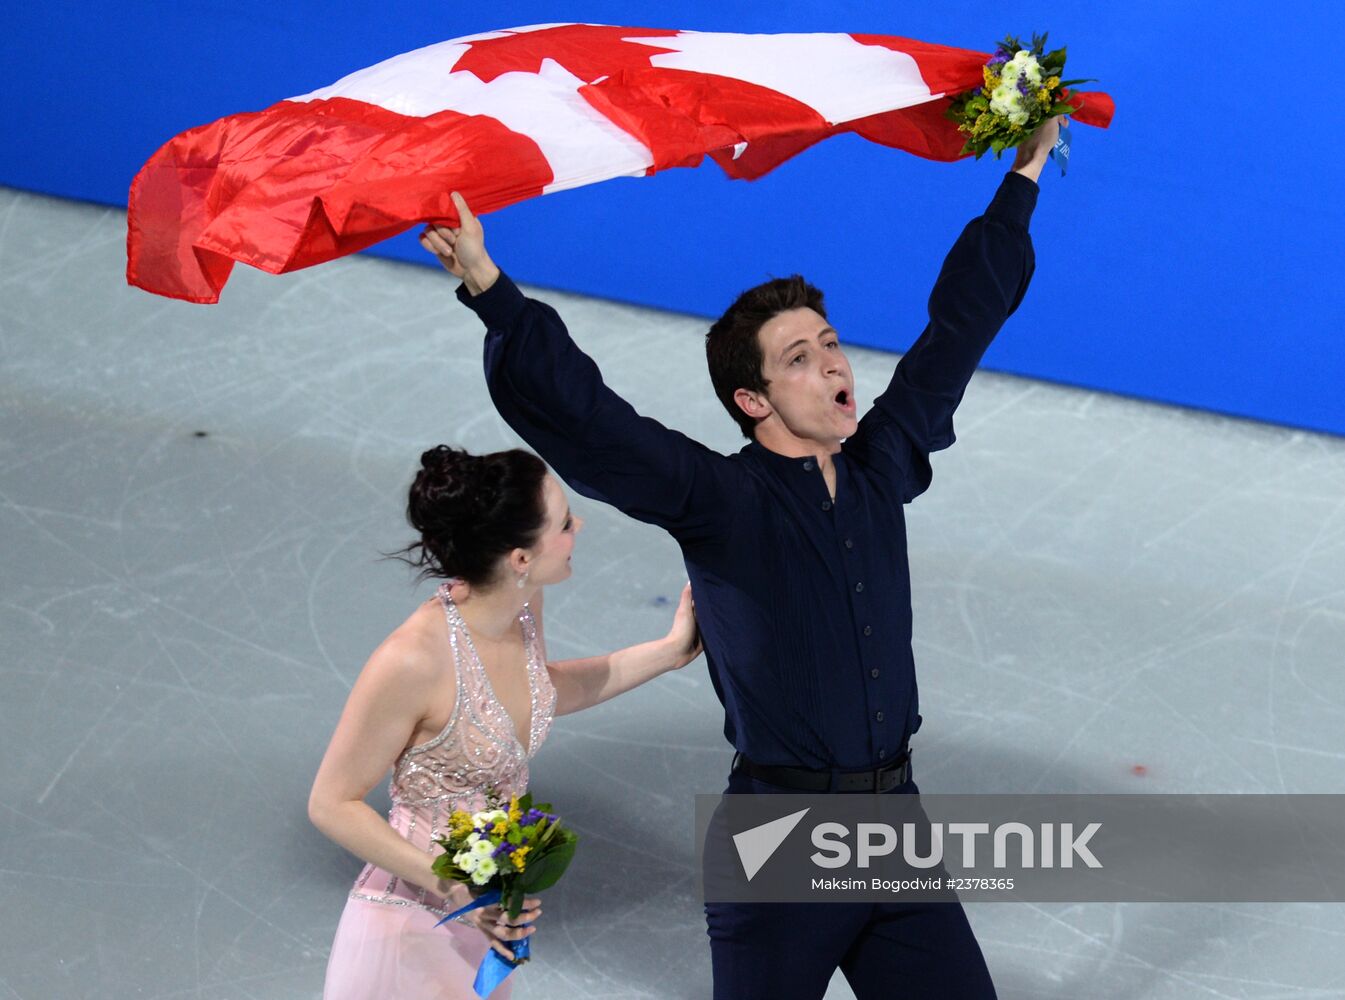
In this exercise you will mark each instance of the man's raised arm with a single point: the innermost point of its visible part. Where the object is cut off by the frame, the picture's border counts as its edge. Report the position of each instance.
(552, 394)
(980, 285)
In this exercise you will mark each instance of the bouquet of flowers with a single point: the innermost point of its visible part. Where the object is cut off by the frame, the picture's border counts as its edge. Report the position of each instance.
(511, 852)
(1022, 89)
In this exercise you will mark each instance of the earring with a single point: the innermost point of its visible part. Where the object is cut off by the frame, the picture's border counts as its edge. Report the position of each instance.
(523, 580)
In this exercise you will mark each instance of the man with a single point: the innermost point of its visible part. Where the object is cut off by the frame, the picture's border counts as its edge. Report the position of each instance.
(796, 550)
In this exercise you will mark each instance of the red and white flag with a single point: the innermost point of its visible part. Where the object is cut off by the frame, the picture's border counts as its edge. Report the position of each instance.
(509, 115)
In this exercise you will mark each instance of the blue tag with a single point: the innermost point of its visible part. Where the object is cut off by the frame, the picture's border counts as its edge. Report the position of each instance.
(1061, 151)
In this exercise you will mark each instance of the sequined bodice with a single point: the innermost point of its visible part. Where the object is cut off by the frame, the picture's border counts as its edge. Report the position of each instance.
(479, 748)
(478, 752)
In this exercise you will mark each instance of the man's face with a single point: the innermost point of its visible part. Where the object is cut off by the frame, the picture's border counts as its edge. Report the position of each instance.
(811, 389)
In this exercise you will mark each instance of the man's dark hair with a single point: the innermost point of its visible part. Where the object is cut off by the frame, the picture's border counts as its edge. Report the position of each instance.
(733, 349)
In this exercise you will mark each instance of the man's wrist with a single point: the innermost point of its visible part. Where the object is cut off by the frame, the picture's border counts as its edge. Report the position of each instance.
(479, 279)
(1031, 167)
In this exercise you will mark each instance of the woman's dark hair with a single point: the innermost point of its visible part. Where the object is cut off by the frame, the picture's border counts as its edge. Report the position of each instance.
(471, 510)
(732, 348)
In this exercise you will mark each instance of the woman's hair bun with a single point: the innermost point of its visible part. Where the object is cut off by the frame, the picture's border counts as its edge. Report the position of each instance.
(471, 510)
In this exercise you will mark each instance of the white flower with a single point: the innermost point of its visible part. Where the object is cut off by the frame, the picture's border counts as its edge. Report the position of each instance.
(483, 848)
(485, 868)
(1022, 64)
(473, 838)
(487, 817)
(1007, 101)
(466, 860)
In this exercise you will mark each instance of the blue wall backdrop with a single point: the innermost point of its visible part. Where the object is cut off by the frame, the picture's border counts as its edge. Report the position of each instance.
(1192, 256)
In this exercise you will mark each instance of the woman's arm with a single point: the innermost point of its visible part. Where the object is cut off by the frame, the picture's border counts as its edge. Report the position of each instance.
(385, 707)
(389, 700)
(590, 681)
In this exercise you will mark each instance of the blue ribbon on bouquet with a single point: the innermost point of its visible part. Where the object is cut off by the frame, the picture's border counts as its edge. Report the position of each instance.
(495, 968)
(1061, 151)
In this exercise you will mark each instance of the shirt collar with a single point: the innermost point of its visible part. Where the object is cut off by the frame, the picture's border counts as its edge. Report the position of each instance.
(773, 459)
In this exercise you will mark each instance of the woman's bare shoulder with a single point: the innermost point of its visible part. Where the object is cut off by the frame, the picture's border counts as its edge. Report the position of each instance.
(416, 651)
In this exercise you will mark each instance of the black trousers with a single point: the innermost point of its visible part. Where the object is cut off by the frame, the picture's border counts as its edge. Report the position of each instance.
(788, 951)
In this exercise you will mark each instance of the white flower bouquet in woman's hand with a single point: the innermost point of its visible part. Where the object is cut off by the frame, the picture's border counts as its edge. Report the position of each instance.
(516, 852)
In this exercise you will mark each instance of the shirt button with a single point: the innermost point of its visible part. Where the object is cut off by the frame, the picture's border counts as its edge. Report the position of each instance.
(826, 505)
(874, 673)
(879, 716)
(868, 630)
(859, 588)
(882, 751)
(849, 543)
(808, 466)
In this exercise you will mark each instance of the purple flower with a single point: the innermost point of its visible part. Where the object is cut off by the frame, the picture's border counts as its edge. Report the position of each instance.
(504, 848)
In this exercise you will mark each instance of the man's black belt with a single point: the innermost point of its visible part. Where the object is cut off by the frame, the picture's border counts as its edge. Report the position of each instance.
(802, 779)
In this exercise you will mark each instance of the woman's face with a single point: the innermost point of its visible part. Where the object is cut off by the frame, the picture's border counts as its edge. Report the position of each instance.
(551, 555)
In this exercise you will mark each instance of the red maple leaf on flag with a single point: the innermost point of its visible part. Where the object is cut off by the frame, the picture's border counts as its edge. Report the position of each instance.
(586, 50)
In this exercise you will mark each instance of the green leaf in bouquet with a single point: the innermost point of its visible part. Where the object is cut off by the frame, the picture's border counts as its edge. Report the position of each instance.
(1070, 83)
(444, 867)
(525, 803)
(551, 832)
(511, 901)
(545, 871)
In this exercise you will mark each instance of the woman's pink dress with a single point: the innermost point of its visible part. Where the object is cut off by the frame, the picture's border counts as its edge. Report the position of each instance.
(387, 945)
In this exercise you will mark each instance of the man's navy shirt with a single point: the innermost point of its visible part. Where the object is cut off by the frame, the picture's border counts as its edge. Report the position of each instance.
(804, 601)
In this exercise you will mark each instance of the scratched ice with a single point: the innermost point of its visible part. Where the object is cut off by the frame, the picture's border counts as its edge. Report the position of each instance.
(1110, 596)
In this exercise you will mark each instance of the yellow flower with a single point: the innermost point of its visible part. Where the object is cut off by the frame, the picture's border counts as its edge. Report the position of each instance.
(515, 813)
(991, 79)
(520, 857)
(1052, 82)
(460, 824)
(500, 828)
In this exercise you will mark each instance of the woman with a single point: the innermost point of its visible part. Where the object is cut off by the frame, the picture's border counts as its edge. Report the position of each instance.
(456, 701)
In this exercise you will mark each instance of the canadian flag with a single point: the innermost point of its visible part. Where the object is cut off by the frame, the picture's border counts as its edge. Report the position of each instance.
(509, 115)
